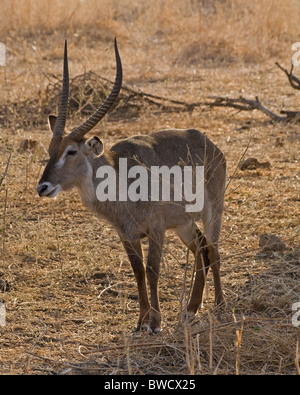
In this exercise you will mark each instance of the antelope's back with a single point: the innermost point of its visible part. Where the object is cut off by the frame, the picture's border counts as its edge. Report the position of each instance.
(173, 147)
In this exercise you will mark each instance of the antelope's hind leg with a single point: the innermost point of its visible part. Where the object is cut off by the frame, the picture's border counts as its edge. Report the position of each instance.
(153, 268)
(212, 226)
(196, 242)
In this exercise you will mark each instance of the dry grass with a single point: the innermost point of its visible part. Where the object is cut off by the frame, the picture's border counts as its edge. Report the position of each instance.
(161, 38)
(72, 303)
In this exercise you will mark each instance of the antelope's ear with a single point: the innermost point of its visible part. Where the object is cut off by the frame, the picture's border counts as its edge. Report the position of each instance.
(95, 146)
(51, 121)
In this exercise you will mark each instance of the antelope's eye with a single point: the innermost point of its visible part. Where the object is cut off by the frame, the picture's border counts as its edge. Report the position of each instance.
(71, 153)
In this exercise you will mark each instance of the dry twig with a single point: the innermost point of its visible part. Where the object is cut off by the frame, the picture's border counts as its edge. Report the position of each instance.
(294, 81)
(2, 178)
(243, 104)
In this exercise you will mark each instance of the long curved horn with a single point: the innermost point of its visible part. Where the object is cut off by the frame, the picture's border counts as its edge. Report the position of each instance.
(64, 100)
(78, 133)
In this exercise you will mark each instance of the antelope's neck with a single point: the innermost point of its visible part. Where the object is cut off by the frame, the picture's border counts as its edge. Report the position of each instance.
(86, 187)
(87, 190)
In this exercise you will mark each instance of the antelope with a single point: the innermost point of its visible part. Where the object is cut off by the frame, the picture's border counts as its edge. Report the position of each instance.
(75, 162)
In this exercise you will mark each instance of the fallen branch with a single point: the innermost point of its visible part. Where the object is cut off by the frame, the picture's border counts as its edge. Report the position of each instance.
(291, 115)
(243, 104)
(294, 81)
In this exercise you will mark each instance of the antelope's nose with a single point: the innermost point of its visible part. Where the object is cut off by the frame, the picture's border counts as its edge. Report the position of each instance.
(41, 188)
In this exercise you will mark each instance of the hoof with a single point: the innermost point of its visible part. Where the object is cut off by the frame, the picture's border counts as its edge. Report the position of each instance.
(141, 328)
(147, 329)
(156, 331)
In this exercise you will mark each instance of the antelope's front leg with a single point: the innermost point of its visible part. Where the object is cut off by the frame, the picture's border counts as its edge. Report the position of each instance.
(135, 255)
